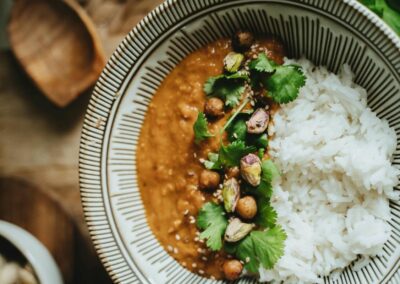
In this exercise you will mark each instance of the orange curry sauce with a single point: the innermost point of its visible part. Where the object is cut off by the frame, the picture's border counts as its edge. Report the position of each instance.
(168, 160)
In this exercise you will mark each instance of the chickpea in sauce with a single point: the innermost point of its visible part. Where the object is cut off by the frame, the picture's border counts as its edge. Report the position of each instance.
(173, 182)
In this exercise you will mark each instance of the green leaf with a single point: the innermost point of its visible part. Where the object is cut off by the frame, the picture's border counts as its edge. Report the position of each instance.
(200, 128)
(262, 64)
(231, 154)
(260, 247)
(237, 130)
(283, 86)
(269, 246)
(258, 140)
(213, 162)
(392, 18)
(266, 214)
(263, 190)
(212, 220)
(389, 14)
(246, 252)
(269, 171)
(261, 153)
(227, 87)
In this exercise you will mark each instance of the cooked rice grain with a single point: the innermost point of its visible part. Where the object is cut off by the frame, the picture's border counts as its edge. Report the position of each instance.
(337, 178)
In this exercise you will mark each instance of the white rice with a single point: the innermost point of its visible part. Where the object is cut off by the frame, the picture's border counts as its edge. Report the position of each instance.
(333, 196)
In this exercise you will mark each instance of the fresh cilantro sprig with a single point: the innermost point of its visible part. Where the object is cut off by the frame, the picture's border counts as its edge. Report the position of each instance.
(259, 248)
(231, 154)
(283, 86)
(226, 87)
(212, 220)
(213, 162)
(262, 64)
(228, 155)
(282, 82)
(200, 128)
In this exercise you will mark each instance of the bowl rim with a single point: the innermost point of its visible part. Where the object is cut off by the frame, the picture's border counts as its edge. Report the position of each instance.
(100, 105)
(37, 255)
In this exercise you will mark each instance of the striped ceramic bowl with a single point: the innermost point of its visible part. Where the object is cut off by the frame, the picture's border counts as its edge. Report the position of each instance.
(327, 32)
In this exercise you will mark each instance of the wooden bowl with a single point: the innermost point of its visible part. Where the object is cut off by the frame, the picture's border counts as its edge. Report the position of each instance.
(56, 43)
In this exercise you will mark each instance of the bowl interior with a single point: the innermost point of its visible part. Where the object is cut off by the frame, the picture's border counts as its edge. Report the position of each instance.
(328, 33)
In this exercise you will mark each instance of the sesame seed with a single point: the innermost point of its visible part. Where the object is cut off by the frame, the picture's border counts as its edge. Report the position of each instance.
(195, 155)
(186, 212)
(204, 258)
(170, 248)
(184, 264)
(212, 277)
(194, 264)
(201, 160)
(201, 271)
(192, 221)
(203, 198)
(177, 237)
(176, 250)
(196, 239)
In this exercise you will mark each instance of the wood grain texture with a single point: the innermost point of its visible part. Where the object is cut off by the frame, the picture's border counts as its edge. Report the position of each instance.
(39, 142)
(29, 207)
(62, 54)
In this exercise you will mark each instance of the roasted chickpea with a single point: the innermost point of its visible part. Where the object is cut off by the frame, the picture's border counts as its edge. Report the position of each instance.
(214, 107)
(242, 40)
(246, 207)
(233, 172)
(232, 269)
(209, 179)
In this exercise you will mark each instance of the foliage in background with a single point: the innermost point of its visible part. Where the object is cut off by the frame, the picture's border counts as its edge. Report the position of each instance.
(388, 10)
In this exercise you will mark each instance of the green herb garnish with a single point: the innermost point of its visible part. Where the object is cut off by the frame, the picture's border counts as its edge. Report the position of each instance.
(212, 220)
(283, 86)
(260, 248)
(266, 214)
(213, 162)
(200, 128)
(226, 87)
(262, 64)
(231, 154)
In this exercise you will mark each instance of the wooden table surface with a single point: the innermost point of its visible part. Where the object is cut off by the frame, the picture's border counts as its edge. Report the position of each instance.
(39, 142)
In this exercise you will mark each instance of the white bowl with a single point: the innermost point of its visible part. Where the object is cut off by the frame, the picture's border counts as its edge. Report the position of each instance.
(34, 251)
(327, 32)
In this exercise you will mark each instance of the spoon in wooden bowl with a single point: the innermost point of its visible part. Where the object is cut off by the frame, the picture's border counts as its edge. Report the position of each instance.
(56, 43)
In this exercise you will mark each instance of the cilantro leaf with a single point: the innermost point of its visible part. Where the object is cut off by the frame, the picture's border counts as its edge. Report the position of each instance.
(227, 87)
(266, 214)
(258, 140)
(260, 247)
(263, 190)
(269, 171)
(200, 128)
(261, 153)
(231, 154)
(269, 245)
(213, 162)
(237, 130)
(212, 220)
(262, 64)
(283, 86)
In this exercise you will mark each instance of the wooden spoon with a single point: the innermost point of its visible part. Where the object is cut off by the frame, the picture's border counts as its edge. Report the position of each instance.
(56, 43)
